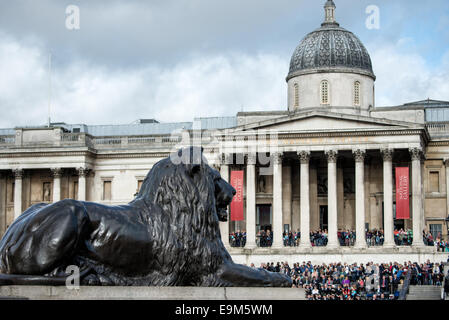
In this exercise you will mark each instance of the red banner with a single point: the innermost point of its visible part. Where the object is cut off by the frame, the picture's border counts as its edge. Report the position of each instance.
(237, 201)
(402, 193)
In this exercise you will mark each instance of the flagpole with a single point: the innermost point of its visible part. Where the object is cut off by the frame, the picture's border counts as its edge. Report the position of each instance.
(49, 88)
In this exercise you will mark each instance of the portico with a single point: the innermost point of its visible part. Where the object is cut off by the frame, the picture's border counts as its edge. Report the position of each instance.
(347, 171)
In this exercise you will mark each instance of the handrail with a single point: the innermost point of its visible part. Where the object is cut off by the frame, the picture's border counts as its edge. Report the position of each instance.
(405, 286)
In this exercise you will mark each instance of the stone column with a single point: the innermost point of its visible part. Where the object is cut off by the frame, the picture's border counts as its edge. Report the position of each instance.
(56, 184)
(251, 201)
(446, 163)
(82, 172)
(359, 156)
(332, 198)
(304, 158)
(224, 172)
(287, 194)
(417, 201)
(277, 200)
(18, 173)
(387, 155)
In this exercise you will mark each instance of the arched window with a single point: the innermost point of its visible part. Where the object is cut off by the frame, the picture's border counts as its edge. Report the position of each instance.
(357, 93)
(296, 95)
(324, 92)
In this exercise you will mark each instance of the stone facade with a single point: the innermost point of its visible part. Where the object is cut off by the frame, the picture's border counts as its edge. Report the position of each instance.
(306, 168)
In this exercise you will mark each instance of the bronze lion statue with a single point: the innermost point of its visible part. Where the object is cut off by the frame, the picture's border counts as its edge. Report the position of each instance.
(167, 236)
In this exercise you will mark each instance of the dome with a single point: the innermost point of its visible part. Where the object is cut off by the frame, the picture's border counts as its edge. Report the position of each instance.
(330, 48)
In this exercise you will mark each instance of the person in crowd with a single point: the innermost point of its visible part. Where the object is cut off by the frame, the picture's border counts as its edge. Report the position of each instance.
(343, 281)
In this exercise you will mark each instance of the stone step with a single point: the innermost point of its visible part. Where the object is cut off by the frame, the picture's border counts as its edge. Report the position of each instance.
(423, 298)
(426, 292)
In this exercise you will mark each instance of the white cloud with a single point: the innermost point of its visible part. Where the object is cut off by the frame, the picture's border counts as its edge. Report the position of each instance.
(82, 93)
(404, 76)
(218, 85)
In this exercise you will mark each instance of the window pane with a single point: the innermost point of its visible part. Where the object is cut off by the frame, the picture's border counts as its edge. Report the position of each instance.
(436, 230)
(107, 190)
(434, 181)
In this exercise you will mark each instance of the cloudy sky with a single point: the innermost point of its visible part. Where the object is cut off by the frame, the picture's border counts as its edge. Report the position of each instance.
(173, 60)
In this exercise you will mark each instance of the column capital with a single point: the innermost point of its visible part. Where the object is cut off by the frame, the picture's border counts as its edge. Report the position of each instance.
(359, 155)
(251, 158)
(277, 157)
(331, 155)
(387, 153)
(18, 173)
(304, 156)
(416, 153)
(82, 171)
(226, 158)
(446, 162)
(56, 172)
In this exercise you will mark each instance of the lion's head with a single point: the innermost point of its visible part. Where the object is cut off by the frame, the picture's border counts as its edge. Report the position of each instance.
(187, 187)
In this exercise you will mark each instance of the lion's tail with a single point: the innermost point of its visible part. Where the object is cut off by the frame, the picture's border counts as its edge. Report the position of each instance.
(31, 280)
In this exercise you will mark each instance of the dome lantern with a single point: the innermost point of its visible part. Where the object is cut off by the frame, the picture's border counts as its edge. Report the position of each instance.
(329, 11)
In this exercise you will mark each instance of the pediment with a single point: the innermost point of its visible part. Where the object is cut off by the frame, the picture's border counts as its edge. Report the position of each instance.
(322, 121)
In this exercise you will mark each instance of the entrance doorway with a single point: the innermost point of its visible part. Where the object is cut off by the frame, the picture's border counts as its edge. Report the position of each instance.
(323, 218)
(399, 224)
(263, 217)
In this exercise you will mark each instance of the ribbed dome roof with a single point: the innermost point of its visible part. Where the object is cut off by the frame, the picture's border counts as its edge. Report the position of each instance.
(330, 48)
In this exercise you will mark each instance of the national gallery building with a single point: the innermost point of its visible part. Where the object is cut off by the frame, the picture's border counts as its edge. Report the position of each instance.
(328, 161)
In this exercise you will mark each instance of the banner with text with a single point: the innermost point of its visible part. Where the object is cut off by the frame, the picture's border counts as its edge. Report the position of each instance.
(237, 201)
(402, 193)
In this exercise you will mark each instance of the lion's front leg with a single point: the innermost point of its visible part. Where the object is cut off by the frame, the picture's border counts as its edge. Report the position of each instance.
(242, 276)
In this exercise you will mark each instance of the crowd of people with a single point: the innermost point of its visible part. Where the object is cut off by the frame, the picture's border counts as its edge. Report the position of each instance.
(319, 238)
(342, 281)
(375, 237)
(442, 245)
(237, 239)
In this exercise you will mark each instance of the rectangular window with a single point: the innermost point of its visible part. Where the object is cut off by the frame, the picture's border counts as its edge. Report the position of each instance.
(434, 181)
(107, 190)
(357, 93)
(324, 92)
(139, 185)
(436, 230)
(296, 95)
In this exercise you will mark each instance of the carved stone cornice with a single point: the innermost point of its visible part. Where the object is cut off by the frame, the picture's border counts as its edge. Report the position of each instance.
(331, 155)
(387, 154)
(304, 156)
(359, 155)
(340, 133)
